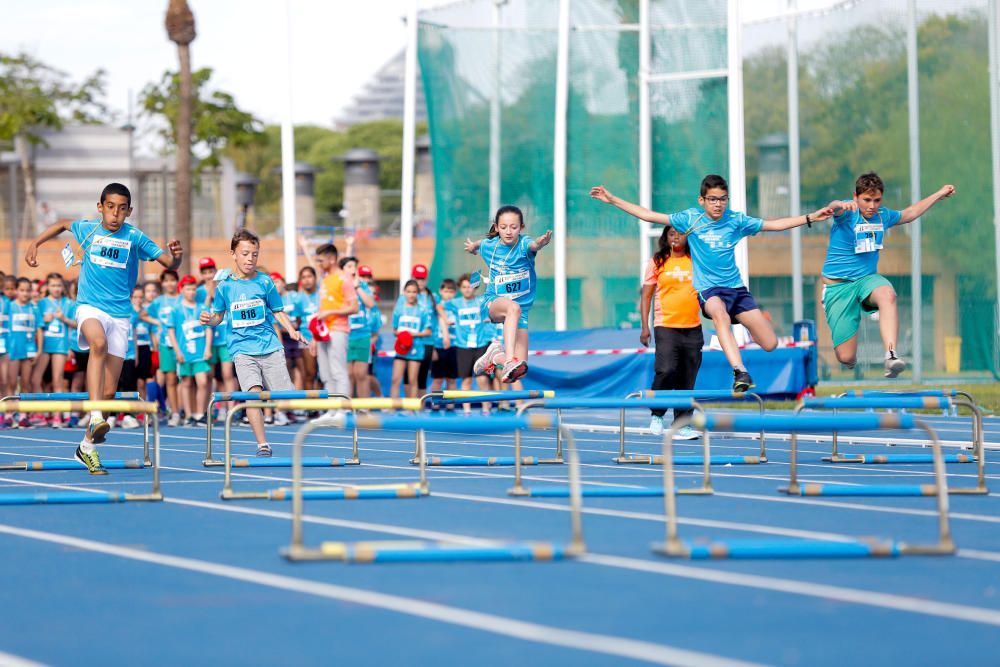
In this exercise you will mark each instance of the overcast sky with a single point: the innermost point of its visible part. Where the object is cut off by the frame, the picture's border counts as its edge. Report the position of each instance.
(337, 45)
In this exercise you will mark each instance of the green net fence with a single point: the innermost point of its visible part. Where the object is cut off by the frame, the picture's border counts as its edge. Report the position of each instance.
(853, 118)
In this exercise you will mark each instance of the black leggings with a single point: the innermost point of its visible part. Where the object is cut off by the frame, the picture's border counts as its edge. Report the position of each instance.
(678, 358)
(425, 367)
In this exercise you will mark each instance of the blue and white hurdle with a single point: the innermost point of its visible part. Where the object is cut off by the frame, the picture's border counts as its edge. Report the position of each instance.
(76, 465)
(907, 402)
(304, 404)
(667, 403)
(78, 497)
(704, 397)
(674, 546)
(464, 396)
(416, 551)
(222, 396)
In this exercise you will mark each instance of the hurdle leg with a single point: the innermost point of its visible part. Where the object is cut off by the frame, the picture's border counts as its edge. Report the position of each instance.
(946, 544)
(978, 450)
(672, 546)
(763, 450)
(577, 546)
(209, 461)
(227, 484)
(518, 488)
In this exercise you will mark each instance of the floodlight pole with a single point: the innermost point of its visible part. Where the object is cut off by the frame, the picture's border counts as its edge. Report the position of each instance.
(794, 175)
(495, 108)
(559, 164)
(288, 158)
(645, 135)
(994, 79)
(409, 145)
(916, 270)
(737, 157)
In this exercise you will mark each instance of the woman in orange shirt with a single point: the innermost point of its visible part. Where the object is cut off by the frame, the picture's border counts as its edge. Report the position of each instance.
(677, 332)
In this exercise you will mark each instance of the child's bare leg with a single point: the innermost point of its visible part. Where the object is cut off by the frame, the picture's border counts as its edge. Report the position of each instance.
(760, 328)
(256, 420)
(201, 401)
(187, 394)
(58, 373)
(716, 310)
(41, 363)
(398, 369)
(412, 371)
(884, 297)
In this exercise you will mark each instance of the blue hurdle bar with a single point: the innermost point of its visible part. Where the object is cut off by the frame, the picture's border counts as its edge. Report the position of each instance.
(351, 493)
(665, 402)
(445, 461)
(371, 552)
(933, 399)
(63, 498)
(598, 492)
(223, 396)
(796, 424)
(113, 464)
(286, 462)
(700, 395)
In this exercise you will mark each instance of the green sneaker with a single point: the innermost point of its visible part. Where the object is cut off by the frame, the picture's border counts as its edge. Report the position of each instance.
(92, 460)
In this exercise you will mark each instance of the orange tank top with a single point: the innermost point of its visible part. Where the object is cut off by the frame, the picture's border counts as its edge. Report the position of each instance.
(675, 302)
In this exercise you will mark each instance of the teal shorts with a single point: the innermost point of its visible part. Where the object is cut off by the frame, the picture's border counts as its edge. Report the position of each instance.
(484, 314)
(359, 349)
(220, 353)
(168, 360)
(844, 302)
(189, 368)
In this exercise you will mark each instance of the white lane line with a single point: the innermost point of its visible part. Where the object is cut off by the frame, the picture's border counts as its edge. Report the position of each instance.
(660, 654)
(8, 660)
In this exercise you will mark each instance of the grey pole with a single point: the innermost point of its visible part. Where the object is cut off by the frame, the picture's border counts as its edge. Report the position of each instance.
(495, 107)
(994, 49)
(794, 176)
(916, 271)
(12, 177)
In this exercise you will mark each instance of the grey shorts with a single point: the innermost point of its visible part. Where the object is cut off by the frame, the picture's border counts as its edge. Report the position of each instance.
(266, 370)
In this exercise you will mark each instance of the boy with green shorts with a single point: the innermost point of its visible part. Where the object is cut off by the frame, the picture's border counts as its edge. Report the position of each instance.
(192, 343)
(851, 283)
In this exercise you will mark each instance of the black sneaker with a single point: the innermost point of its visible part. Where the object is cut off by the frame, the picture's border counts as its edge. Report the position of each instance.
(269, 421)
(92, 460)
(264, 450)
(742, 381)
(201, 421)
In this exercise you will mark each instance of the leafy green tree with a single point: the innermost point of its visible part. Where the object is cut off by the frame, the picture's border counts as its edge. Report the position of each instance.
(35, 98)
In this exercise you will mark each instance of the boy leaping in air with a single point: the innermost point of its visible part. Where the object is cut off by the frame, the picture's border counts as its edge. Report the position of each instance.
(851, 283)
(112, 250)
(713, 230)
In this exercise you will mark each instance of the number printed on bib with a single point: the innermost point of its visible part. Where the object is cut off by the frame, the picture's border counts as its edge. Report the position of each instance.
(247, 313)
(110, 252)
(22, 322)
(868, 237)
(409, 323)
(513, 284)
(54, 328)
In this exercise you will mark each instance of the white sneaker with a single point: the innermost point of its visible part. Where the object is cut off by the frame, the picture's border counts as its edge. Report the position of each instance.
(280, 418)
(893, 365)
(656, 425)
(128, 421)
(686, 433)
(329, 415)
(112, 420)
(175, 419)
(84, 421)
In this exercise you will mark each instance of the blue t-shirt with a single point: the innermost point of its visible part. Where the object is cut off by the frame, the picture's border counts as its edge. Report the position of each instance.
(4, 323)
(201, 294)
(360, 322)
(55, 334)
(308, 306)
(111, 264)
(855, 243)
(249, 303)
(470, 331)
(189, 330)
(162, 308)
(130, 347)
(415, 319)
(449, 316)
(375, 321)
(142, 329)
(24, 322)
(713, 245)
(512, 270)
(74, 341)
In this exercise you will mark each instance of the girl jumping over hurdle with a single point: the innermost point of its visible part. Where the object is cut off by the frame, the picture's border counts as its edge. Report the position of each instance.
(510, 291)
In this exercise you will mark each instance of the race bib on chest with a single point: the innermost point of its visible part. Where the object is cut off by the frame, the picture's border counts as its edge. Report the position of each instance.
(409, 323)
(247, 313)
(54, 328)
(110, 252)
(868, 237)
(357, 321)
(513, 284)
(22, 322)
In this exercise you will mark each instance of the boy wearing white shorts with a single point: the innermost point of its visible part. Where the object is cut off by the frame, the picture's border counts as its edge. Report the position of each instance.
(112, 250)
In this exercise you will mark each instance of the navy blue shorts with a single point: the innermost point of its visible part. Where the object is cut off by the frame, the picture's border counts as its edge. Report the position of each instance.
(737, 299)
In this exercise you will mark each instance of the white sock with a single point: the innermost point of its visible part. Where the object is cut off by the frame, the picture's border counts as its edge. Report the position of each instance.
(199, 415)
(891, 353)
(87, 447)
(96, 416)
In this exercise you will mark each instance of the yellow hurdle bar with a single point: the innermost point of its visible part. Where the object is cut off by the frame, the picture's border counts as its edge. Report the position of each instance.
(310, 404)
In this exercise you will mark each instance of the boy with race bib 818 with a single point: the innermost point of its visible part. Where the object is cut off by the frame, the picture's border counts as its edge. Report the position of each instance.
(248, 296)
(510, 291)
(112, 250)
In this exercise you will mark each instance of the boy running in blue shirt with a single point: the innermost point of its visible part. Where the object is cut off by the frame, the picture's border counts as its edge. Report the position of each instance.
(112, 250)
(851, 283)
(248, 297)
(713, 230)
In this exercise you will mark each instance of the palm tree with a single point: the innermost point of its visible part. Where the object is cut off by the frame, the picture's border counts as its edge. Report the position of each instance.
(180, 30)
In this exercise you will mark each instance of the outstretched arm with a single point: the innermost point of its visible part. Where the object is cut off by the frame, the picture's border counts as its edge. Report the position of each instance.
(601, 193)
(914, 211)
(52, 231)
(781, 224)
(472, 247)
(540, 242)
(172, 258)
